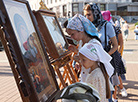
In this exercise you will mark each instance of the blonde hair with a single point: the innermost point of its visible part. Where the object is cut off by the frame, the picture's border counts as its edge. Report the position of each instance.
(108, 92)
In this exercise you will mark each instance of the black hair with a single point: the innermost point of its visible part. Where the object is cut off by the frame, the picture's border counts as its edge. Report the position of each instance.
(65, 24)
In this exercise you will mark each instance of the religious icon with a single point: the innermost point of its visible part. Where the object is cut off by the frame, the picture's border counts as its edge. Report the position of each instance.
(29, 48)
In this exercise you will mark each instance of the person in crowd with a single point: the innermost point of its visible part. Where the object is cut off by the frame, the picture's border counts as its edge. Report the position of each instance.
(117, 23)
(93, 13)
(106, 16)
(136, 32)
(126, 30)
(73, 42)
(119, 38)
(120, 50)
(106, 34)
(82, 30)
(93, 56)
(122, 21)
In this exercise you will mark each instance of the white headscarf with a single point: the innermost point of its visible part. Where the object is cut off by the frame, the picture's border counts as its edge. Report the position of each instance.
(95, 52)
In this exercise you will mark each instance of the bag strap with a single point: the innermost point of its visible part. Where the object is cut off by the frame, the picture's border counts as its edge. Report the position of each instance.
(105, 35)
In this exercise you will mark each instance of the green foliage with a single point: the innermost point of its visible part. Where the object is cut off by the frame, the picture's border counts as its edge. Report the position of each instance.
(136, 23)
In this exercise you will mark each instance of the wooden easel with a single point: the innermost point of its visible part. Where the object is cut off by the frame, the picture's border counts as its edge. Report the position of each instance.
(58, 61)
(69, 75)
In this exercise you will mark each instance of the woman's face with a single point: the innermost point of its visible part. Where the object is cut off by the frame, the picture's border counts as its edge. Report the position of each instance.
(89, 15)
(74, 34)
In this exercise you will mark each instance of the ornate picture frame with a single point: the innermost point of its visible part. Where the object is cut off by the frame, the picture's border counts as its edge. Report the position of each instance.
(37, 78)
(55, 40)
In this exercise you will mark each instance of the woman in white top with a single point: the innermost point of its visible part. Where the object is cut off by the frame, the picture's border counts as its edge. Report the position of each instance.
(82, 30)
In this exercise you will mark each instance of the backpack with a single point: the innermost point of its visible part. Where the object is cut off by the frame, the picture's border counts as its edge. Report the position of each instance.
(78, 92)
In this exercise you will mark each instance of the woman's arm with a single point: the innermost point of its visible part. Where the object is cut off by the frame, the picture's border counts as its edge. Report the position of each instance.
(114, 45)
(112, 36)
(120, 42)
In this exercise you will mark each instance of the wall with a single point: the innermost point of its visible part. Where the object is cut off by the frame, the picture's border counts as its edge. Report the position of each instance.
(133, 8)
(80, 7)
(112, 7)
(131, 19)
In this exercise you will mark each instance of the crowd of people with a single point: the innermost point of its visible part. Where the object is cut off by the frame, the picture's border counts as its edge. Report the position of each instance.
(99, 51)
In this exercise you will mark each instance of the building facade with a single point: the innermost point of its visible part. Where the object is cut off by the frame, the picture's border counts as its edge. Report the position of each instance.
(128, 9)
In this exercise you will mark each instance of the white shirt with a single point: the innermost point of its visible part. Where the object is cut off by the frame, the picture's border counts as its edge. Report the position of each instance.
(96, 78)
(125, 26)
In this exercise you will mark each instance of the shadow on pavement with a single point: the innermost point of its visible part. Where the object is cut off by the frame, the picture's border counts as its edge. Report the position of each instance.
(128, 84)
(131, 84)
(5, 67)
(131, 44)
(130, 50)
(6, 74)
(130, 97)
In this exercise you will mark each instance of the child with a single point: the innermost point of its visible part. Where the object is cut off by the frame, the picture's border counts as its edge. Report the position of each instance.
(93, 56)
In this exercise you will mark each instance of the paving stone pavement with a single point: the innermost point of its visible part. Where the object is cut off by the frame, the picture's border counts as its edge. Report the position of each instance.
(9, 91)
(8, 88)
(130, 55)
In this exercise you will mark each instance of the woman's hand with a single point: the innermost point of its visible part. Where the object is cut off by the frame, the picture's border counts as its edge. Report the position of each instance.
(73, 48)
